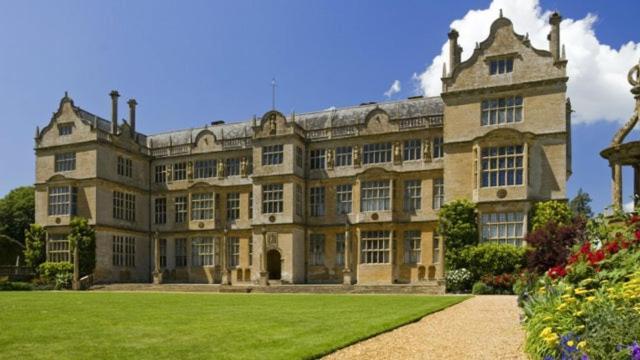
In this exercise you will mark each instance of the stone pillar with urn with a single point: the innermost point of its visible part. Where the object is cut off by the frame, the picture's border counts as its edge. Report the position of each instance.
(157, 272)
(346, 273)
(264, 275)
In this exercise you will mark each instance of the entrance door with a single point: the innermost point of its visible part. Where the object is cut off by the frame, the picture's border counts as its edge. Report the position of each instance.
(273, 264)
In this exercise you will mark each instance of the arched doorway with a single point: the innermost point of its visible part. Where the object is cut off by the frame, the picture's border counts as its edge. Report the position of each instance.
(273, 264)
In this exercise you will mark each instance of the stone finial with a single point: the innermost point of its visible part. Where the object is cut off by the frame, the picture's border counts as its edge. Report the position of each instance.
(564, 54)
(500, 13)
(554, 36)
(132, 115)
(114, 111)
(37, 132)
(444, 69)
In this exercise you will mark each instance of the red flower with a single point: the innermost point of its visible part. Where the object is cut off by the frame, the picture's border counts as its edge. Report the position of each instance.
(637, 235)
(586, 248)
(556, 272)
(625, 244)
(634, 219)
(595, 257)
(573, 259)
(612, 247)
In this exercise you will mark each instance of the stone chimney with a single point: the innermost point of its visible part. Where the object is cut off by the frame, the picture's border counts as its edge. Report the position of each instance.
(114, 111)
(554, 36)
(454, 50)
(132, 115)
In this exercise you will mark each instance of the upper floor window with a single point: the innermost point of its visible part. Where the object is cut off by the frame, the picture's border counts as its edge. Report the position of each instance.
(251, 205)
(125, 167)
(505, 228)
(299, 156)
(344, 155)
(374, 247)
(233, 247)
(272, 154)
(272, 198)
(160, 174)
(316, 248)
(65, 129)
(205, 169)
(501, 66)
(160, 211)
(502, 166)
(232, 167)
(438, 193)
(317, 159)
(65, 162)
(412, 248)
(63, 200)
(233, 206)
(298, 199)
(180, 171)
(376, 153)
(438, 148)
(344, 198)
(202, 206)
(123, 251)
(412, 149)
(501, 111)
(181, 210)
(412, 195)
(124, 206)
(375, 195)
(316, 201)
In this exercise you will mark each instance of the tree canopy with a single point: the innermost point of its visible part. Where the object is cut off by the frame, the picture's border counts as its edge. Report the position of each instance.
(17, 212)
(581, 204)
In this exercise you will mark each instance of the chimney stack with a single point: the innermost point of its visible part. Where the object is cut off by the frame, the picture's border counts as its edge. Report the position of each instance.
(454, 50)
(132, 115)
(114, 111)
(554, 36)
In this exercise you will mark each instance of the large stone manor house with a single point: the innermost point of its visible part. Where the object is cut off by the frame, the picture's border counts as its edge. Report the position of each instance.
(346, 196)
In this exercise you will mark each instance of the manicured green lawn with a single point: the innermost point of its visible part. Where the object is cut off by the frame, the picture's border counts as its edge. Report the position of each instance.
(88, 325)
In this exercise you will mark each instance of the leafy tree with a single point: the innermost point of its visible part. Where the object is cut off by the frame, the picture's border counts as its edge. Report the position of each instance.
(551, 244)
(581, 204)
(553, 211)
(458, 226)
(35, 252)
(83, 236)
(17, 212)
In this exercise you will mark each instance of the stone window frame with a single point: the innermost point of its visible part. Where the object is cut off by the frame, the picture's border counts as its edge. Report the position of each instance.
(435, 249)
(202, 206)
(375, 247)
(180, 171)
(299, 197)
(272, 154)
(344, 156)
(181, 207)
(501, 65)
(181, 253)
(65, 129)
(233, 206)
(65, 162)
(124, 167)
(492, 172)
(123, 251)
(317, 159)
(438, 193)
(316, 249)
(438, 147)
(251, 205)
(232, 167)
(377, 153)
(375, 195)
(503, 227)
(163, 252)
(204, 251)
(62, 200)
(412, 150)
(497, 111)
(124, 206)
(250, 250)
(233, 250)
(317, 201)
(160, 210)
(299, 157)
(273, 198)
(160, 174)
(205, 168)
(340, 249)
(412, 247)
(58, 248)
(412, 195)
(344, 198)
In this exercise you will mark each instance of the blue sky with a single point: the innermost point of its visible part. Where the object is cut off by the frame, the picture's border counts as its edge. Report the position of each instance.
(189, 63)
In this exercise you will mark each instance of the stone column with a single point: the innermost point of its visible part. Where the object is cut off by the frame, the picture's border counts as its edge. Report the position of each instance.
(157, 272)
(264, 275)
(75, 284)
(226, 272)
(636, 185)
(616, 191)
(346, 273)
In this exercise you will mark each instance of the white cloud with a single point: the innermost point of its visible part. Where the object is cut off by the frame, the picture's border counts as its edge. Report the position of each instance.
(628, 207)
(597, 73)
(393, 89)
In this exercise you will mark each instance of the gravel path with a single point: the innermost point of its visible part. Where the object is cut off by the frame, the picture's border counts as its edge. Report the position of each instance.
(484, 327)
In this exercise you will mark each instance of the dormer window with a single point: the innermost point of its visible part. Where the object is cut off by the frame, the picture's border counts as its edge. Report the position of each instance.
(65, 129)
(501, 66)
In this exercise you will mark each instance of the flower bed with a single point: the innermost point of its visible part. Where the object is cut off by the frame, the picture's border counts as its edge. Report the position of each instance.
(589, 308)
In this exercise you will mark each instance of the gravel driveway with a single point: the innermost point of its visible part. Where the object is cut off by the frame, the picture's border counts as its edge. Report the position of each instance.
(484, 327)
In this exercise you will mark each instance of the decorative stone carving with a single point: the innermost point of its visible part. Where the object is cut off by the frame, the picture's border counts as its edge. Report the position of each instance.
(243, 166)
(169, 173)
(329, 158)
(272, 240)
(426, 150)
(272, 124)
(190, 170)
(397, 152)
(220, 169)
(356, 156)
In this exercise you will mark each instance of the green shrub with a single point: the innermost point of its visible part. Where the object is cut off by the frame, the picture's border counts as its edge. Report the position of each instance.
(553, 211)
(480, 288)
(490, 259)
(458, 225)
(458, 280)
(34, 252)
(15, 286)
(49, 270)
(83, 235)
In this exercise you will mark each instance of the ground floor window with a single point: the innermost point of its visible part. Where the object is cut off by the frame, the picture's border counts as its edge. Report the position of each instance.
(124, 251)
(163, 253)
(316, 247)
(181, 252)
(203, 251)
(234, 251)
(58, 249)
(504, 228)
(375, 247)
(412, 248)
(435, 254)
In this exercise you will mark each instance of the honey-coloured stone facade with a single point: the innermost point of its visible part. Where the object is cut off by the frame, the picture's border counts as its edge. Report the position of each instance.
(344, 196)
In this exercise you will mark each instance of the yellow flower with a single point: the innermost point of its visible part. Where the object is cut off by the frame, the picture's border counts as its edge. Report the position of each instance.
(579, 313)
(561, 306)
(579, 327)
(570, 343)
(547, 318)
(546, 331)
(582, 345)
(590, 298)
(581, 291)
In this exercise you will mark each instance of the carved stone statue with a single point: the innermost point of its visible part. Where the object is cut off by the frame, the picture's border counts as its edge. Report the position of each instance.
(190, 170)
(397, 152)
(169, 173)
(272, 124)
(220, 169)
(426, 150)
(243, 166)
(329, 159)
(356, 155)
